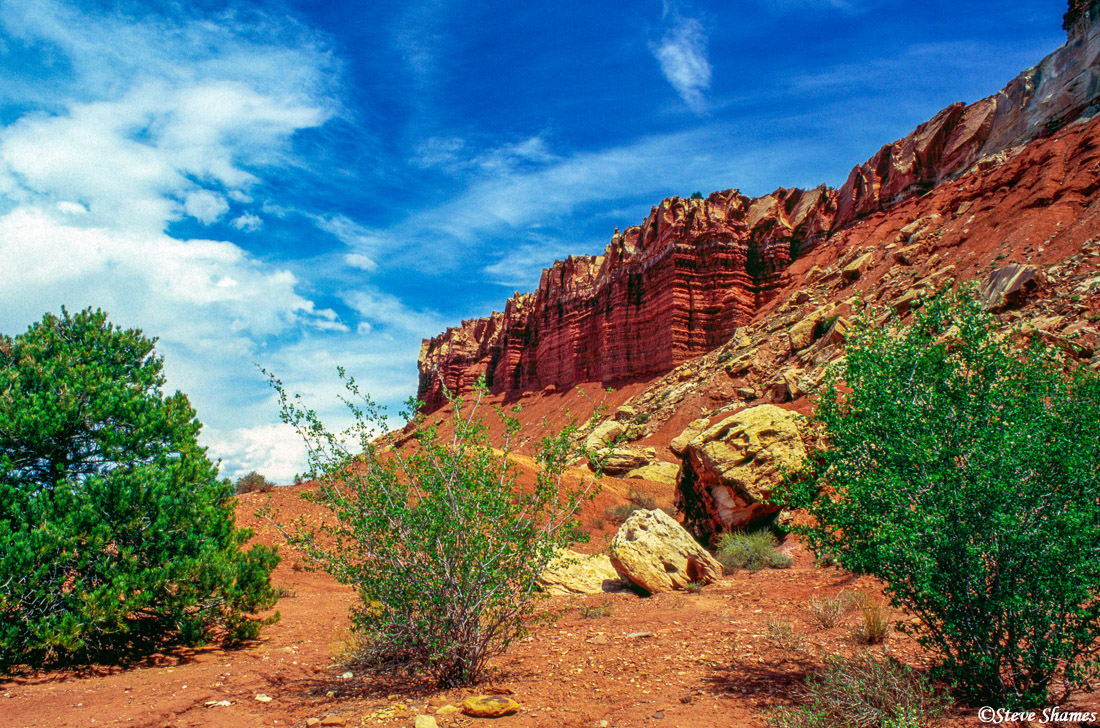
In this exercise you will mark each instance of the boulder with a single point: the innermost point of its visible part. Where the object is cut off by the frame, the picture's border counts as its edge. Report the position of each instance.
(626, 413)
(1008, 287)
(732, 467)
(659, 472)
(693, 430)
(802, 333)
(855, 269)
(573, 573)
(655, 552)
(489, 706)
(621, 460)
(605, 434)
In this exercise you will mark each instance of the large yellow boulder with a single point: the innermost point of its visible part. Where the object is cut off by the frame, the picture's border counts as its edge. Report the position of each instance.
(732, 467)
(573, 573)
(655, 552)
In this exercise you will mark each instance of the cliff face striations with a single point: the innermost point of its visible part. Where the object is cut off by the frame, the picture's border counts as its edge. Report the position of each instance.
(682, 282)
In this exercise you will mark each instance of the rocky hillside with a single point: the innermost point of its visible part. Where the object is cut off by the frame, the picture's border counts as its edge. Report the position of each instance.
(695, 272)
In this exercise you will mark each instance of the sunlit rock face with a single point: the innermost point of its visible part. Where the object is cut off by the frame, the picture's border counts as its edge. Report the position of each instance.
(682, 282)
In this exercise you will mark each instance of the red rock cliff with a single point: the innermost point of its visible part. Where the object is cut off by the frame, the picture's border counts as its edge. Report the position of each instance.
(681, 283)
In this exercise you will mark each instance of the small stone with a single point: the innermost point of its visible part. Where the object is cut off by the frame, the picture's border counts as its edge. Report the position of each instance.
(489, 706)
(310, 722)
(217, 703)
(332, 720)
(638, 635)
(347, 675)
(658, 715)
(264, 698)
(447, 711)
(425, 721)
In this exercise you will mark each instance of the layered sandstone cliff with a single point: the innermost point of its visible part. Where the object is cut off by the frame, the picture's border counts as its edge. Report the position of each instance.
(682, 283)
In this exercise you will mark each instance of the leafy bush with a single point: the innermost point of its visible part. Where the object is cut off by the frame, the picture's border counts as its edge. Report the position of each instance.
(753, 551)
(254, 483)
(441, 542)
(118, 536)
(862, 692)
(963, 471)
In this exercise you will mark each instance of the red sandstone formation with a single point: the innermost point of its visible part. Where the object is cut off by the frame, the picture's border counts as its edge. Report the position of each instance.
(695, 270)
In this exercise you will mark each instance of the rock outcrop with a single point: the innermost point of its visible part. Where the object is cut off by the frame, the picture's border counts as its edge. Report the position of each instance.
(730, 469)
(683, 281)
(655, 552)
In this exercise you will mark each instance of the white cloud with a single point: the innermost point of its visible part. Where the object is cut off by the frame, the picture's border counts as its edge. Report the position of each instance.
(682, 54)
(247, 222)
(205, 206)
(154, 119)
(71, 208)
(274, 450)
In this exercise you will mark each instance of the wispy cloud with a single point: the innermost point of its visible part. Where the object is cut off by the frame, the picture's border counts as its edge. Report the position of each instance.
(682, 55)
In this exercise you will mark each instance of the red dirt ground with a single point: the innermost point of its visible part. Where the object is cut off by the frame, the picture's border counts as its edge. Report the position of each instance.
(704, 660)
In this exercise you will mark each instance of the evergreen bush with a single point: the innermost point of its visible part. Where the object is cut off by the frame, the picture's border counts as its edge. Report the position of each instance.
(118, 537)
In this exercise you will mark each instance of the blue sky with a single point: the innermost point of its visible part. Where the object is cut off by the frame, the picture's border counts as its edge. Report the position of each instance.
(309, 184)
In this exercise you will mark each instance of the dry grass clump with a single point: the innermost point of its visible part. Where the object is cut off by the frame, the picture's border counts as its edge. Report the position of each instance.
(752, 551)
(600, 610)
(828, 612)
(783, 635)
(875, 625)
(862, 692)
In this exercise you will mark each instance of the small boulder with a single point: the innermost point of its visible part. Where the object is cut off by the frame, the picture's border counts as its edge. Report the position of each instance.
(855, 269)
(489, 706)
(605, 434)
(1008, 287)
(424, 721)
(621, 460)
(626, 413)
(573, 573)
(655, 552)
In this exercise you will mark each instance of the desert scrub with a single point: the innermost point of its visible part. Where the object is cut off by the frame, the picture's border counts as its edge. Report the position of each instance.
(596, 612)
(962, 471)
(783, 635)
(827, 612)
(862, 692)
(254, 483)
(753, 551)
(442, 544)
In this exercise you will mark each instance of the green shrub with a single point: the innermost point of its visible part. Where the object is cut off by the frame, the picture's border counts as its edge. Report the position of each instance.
(753, 551)
(862, 692)
(963, 472)
(117, 535)
(254, 483)
(442, 544)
